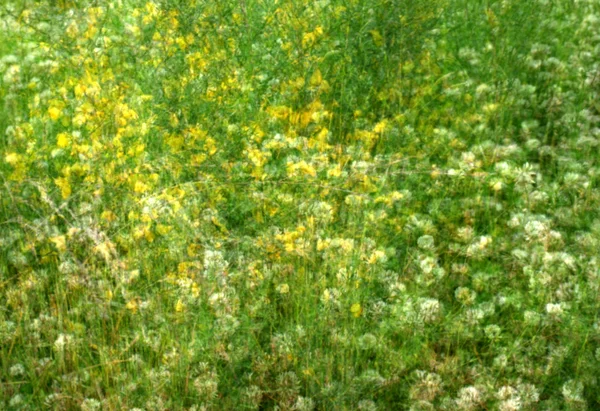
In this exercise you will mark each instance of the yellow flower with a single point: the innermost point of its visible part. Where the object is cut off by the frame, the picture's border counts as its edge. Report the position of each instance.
(132, 305)
(140, 187)
(377, 256)
(62, 140)
(12, 158)
(163, 229)
(105, 250)
(377, 38)
(336, 171)
(54, 113)
(356, 310)
(79, 90)
(316, 78)
(193, 250)
(195, 290)
(302, 166)
(180, 306)
(380, 127)
(108, 216)
(65, 187)
(60, 242)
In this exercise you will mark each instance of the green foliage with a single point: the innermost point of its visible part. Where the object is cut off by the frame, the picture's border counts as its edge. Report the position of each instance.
(299, 205)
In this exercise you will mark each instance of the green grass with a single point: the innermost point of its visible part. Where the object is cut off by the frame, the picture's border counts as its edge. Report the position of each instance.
(296, 205)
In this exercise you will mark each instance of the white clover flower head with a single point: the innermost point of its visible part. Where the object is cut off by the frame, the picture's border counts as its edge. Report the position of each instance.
(468, 398)
(492, 331)
(429, 309)
(427, 264)
(572, 391)
(465, 295)
(214, 262)
(528, 393)
(426, 242)
(367, 405)
(367, 341)
(17, 370)
(304, 404)
(512, 404)
(322, 211)
(554, 309)
(532, 317)
(535, 229)
(63, 342)
(91, 404)
(16, 401)
(506, 392)
(428, 386)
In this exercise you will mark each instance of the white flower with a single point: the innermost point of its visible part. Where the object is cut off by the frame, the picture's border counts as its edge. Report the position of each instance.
(16, 401)
(427, 264)
(17, 370)
(429, 309)
(90, 404)
(426, 242)
(304, 404)
(554, 309)
(513, 404)
(468, 398)
(62, 342)
(506, 392)
(322, 211)
(572, 391)
(535, 229)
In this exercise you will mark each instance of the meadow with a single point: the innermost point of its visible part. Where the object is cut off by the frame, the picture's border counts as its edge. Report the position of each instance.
(300, 205)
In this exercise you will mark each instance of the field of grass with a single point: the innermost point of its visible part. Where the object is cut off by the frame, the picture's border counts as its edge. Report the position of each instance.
(300, 205)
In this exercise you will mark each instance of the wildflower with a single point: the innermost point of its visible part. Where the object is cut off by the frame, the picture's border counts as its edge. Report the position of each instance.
(322, 211)
(304, 404)
(12, 158)
(367, 341)
(492, 331)
(429, 309)
(426, 242)
(65, 187)
(376, 257)
(532, 318)
(63, 342)
(572, 391)
(132, 305)
(468, 398)
(17, 370)
(427, 264)
(54, 113)
(91, 404)
(528, 394)
(554, 309)
(427, 387)
(62, 140)
(366, 405)
(511, 404)
(60, 242)
(335, 171)
(214, 261)
(356, 310)
(16, 401)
